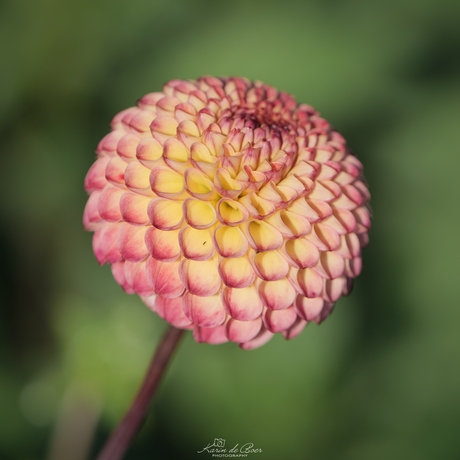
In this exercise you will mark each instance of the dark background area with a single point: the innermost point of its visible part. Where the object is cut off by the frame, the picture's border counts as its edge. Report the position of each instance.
(379, 379)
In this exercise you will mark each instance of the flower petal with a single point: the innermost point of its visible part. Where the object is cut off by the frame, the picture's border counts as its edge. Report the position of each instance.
(118, 272)
(200, 277)
(169, 309)
(236, 272)
(165, 214)
(164, 278)
(136, 278)
(213, 335)
(163, 245)
(277, 295)
(302, 252)
(334, 288)
(133, 208)
(196, 244)
(242, 331)
(310, 282)
(271, 265)
(105, 244)
(109, 204)
(199, 214)
(131, 242)
(295, 329)
(264, 237)
(243, 304)
(279, 320)
(333, 264)
(260, 339)
(204, 311)
(308, 309)
(230, 241)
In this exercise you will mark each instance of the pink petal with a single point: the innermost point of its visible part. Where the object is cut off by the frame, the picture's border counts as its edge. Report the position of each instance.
(325, 312)
(137, 178)
(91, 216)
(200, 277)
(133, 208)
(354, 244)
(320, 192)
(171, 310)
(165, 214)
(320, 207)
(164, 125)
(236, 272)
(204, 311)
(308, 309)
(126, 146)
(95, 179)
(115, 171)
(260, 339)
(164, 278)
(243, 304)
(141, 121)
(333, 289)
(118, 271)
(242, 331)
(105, 244)
(295, 329)
(363, 218)
(353, 267)
(333, 264)
(212, 335)
(131, 242)
(163, 245)
(302, 252)
(327, 235)
(277, 295)
(279, 320)
(346, 218)
(148, 151)
(136, 278)
(109, 204)
(109, 143)
(353, 194)
(310, 282)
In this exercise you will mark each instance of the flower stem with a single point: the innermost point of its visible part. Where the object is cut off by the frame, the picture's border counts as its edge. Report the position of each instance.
(121, 438)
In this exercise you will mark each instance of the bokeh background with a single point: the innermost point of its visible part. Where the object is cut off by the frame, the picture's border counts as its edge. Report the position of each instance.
(379, 379)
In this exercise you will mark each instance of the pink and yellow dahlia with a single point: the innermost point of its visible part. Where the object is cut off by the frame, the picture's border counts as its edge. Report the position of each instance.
(229, 209)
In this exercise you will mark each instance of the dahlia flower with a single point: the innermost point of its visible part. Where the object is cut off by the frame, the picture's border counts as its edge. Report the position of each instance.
(229, 208)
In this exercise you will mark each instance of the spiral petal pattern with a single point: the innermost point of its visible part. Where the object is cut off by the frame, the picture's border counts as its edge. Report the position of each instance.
(229, 209)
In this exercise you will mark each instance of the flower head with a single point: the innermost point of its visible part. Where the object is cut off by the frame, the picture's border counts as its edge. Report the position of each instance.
(229, 209)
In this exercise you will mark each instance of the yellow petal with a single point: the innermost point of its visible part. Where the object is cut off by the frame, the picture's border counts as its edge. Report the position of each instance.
(230, 241)
(199, 214)
(263, 236)
(196, 244)
(231, 212)
(165, 214)
(271, 265)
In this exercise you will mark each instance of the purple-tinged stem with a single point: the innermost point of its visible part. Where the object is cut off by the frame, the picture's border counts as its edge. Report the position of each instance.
(121, 438)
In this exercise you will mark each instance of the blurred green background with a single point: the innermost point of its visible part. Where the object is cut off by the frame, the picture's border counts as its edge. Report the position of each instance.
(379, 379)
